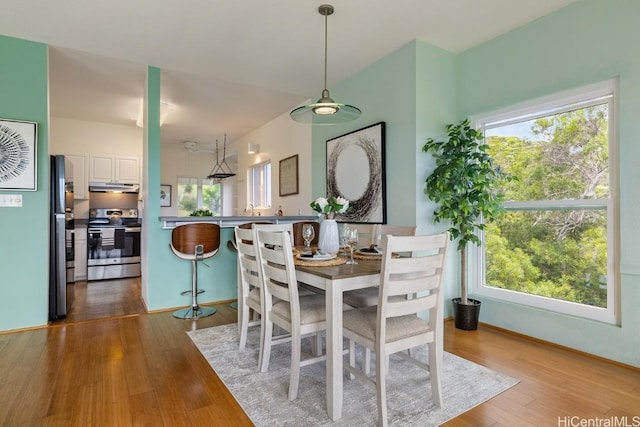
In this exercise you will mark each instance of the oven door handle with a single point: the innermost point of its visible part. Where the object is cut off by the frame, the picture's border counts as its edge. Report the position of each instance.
(132, 229)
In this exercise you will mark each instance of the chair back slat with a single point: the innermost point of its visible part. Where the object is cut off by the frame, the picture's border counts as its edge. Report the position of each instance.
(275, 259)
(410, 306)
(393, 230)
(419, 276)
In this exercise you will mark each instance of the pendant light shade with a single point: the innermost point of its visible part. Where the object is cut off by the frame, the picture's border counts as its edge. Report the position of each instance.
(325, 111)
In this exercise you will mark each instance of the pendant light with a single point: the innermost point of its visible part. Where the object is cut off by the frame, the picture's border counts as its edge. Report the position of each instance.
(325, 111)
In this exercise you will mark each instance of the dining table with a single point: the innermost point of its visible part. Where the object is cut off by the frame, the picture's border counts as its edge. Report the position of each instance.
(334, 280)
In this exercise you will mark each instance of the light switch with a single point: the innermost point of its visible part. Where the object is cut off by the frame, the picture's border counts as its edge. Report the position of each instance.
(11, 200)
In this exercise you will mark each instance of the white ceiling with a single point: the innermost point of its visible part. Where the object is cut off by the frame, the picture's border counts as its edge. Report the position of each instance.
(231, 66)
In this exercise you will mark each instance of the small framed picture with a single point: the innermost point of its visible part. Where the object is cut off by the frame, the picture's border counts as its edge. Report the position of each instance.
(18, 167)
(289, 176)
(165, 195)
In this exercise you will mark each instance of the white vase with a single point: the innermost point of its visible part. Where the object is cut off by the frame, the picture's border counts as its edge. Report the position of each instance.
(329, 239)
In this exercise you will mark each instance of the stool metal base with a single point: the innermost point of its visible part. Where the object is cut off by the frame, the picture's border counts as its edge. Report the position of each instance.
(194, 312)
(234, 305)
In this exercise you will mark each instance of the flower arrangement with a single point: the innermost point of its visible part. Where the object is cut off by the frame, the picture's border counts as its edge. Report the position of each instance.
(331, 206)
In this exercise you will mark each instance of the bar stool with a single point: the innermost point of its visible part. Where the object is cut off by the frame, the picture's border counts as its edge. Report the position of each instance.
(195, 242)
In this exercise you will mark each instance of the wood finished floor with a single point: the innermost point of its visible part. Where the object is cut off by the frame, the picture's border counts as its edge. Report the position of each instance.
(142, 369)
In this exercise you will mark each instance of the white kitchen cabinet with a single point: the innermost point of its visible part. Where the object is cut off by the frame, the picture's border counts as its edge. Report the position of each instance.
(80, 253)
(80, 175)
(122, 169)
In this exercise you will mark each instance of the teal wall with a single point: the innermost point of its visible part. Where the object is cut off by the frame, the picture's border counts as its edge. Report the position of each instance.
(413, 90)
(24, 232)
(164, 275)
(416, 91)
(586, 42)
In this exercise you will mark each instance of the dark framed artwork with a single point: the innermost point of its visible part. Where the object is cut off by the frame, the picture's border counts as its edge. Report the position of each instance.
(18, 168)
(288, 176)
(356, 171)
(165, 195)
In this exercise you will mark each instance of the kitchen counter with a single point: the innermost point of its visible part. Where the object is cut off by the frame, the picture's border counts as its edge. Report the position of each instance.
(169, 222)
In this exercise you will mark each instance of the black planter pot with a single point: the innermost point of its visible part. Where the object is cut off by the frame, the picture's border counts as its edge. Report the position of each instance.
(466, 316)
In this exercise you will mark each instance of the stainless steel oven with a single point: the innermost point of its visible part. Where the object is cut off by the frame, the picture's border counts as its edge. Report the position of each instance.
(113, 244)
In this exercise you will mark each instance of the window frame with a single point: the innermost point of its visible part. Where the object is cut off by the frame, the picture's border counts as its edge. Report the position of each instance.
(265, 199)
(581, 97)
(199, 193)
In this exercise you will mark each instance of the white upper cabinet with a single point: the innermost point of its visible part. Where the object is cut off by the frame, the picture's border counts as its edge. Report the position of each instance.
(122, 169)
(80, 174)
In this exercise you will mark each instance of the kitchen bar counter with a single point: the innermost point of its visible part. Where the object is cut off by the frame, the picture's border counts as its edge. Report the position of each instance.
(169, 222)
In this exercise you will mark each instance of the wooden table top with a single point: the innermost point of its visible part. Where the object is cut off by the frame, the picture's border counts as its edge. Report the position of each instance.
(362, 268)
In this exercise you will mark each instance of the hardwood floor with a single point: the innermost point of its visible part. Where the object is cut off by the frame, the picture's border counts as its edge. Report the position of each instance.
(142, 369)
(103, 299)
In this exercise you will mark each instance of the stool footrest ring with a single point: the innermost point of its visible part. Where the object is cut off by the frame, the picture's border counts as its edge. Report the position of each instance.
(194, 312)
(190, 292)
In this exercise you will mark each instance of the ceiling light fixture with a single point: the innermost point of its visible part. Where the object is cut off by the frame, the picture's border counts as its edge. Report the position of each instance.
(325, 111)
(164, 110)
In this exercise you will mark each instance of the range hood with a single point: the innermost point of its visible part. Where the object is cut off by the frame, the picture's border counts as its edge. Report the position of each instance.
(113, 187)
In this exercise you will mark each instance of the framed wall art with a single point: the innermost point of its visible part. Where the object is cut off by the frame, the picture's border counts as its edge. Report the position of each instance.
(356, 171)
(165, 195)
(18, 168)
(288, 176)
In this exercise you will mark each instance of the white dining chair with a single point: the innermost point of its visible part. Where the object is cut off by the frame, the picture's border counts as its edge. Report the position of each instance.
(249, 287)
(284, 306)
(249, 280)
(394, 326)
(367, 297)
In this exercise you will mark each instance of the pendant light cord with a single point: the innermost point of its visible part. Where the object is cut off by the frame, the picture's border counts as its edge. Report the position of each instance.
(326, 15)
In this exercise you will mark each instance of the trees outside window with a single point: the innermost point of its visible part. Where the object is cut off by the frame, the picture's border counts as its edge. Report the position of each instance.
(555, 247)
(199, 193)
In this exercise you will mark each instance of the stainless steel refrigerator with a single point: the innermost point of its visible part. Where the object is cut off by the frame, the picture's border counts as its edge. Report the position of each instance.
(61, 239)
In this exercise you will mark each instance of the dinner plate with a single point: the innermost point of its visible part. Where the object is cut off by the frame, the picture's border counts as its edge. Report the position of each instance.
(316, 257)
(360, 252)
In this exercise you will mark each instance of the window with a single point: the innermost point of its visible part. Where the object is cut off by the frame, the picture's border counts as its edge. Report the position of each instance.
(555, 247)
(199, 193)
(259, 185)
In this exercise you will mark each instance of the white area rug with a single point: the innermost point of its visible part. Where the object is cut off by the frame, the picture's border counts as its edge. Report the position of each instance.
(263, 396)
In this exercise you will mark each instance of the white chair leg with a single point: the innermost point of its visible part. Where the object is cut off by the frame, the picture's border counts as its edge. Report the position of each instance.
(435, 368)
(316, 344)
(381, 388)
(261, 350)
(294, 376)
(243, 314)
(367, 360)
(266, 352)
(352, 357)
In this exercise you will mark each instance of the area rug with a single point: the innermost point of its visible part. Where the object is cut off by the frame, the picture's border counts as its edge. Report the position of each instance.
(263, 396)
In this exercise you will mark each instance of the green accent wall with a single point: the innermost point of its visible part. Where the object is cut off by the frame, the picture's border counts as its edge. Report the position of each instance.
(413, 90)
(165, 276)
(24, 232)
(586, 42)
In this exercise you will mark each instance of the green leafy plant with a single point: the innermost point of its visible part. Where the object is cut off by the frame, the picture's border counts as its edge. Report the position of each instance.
(201, 212)
(329, 207)
(466, 186)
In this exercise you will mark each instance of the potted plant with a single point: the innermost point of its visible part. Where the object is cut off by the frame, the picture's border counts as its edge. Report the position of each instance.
(465, 184)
